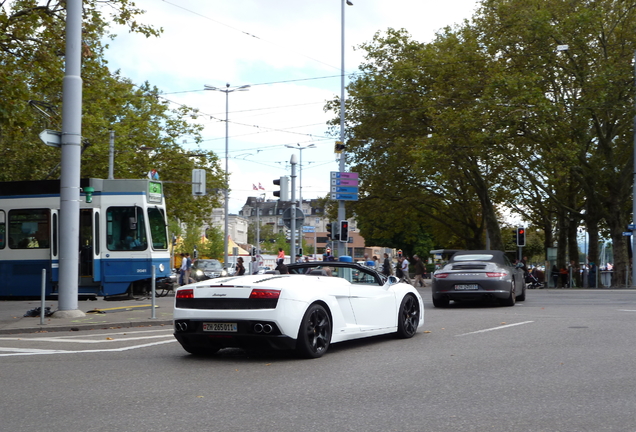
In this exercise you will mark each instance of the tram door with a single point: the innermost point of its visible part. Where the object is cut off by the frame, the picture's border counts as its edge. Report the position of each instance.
(86, 247)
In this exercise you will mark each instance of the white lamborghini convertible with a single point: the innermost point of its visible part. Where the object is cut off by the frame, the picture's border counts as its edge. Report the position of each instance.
(317, 304)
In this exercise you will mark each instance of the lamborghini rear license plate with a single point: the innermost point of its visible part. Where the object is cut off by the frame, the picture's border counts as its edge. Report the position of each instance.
(220, 327)
(465, 287)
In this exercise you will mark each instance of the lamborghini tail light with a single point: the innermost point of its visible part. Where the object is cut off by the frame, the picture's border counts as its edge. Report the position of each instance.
(185, 293)
(264, 294)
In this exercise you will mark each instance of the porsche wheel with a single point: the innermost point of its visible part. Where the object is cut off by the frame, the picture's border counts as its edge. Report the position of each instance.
(408, 317)
(512, 298)
(522, 297)
(440, 302)
(314, 335)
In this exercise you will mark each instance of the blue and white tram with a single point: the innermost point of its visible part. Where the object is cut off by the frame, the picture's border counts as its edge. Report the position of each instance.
(123, 233)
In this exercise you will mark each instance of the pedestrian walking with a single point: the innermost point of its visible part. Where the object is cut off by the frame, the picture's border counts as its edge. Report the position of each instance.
(405, 271)
(386, 265)
(186, 277)
(419, 272)
(563, 272)
(240, 267)
(182, 270)
(281, 268)
(554, 274)
(398, 268)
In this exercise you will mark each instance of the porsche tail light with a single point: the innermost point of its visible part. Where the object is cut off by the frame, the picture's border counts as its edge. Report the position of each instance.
(264, 294)
(496, 274)
(185, 293)
(441, 275)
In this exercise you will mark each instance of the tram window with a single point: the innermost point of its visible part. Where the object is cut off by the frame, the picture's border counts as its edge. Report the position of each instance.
(3, 230)
(158, 234)
(125, 229)
(29, 229)
(96, 229)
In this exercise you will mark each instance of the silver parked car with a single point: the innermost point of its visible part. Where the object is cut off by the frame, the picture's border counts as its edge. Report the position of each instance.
(480, 274)
(203, 269)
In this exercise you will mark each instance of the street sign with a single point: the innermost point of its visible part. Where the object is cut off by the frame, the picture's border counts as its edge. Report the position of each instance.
(309, 229)
(627, 233)
(344, 182)
(631, 227)
(51, 138)
(344, 175)
(344, 186)
(344, 189)
(346, 197)
(300, 217)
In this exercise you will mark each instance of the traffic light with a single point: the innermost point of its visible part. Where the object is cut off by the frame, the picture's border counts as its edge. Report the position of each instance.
(329, 230)
(283, 193)
(521, 237)
(344, 231)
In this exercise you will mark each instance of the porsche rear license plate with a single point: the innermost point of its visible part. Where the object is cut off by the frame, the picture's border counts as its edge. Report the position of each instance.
(220, 327)
(465, 287)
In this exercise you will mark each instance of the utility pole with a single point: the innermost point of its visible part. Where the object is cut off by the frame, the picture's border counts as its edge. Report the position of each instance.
(71, 143)
(292, 239)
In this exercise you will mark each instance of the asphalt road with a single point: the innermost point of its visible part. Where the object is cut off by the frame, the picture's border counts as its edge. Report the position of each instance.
(564, 360)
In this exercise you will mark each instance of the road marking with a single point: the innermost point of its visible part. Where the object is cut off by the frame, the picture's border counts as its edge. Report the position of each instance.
(67, 338)
(87, 341)
(31, 352)
(496, 328)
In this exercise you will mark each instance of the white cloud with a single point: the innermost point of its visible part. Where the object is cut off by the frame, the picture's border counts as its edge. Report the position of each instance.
(269, 45)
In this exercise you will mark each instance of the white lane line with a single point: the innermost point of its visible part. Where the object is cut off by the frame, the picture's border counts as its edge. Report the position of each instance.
(26, 350)
(86, 341)
(627, 310)
(83, 334)
(41, 352)
(496, 328)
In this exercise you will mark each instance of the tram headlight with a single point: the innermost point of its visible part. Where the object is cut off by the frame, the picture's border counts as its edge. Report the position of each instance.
(161, 267)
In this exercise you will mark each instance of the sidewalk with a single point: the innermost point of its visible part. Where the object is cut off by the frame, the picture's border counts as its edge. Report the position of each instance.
(105, 314)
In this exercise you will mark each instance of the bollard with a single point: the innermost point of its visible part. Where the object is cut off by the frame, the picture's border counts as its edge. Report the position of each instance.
(43, 297)
(153, 286)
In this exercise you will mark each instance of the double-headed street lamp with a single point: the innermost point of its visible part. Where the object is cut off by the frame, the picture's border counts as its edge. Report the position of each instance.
(301, 148)
(227, 90)
(300, 195)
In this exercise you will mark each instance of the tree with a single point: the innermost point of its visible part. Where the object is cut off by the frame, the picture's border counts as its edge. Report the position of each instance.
(31, 73)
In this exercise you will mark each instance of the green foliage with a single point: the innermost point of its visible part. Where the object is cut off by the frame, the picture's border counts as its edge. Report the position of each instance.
(491, 116)
(212, 245)
(281, 242)
(31, 75)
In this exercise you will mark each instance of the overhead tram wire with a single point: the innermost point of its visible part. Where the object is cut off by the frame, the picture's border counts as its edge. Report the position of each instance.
(250, 34)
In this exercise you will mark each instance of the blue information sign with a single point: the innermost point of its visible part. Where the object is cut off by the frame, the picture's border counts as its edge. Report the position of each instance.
(344, 189)
(346, 197)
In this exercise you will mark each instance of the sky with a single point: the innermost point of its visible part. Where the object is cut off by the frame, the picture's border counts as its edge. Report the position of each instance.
(288, 52)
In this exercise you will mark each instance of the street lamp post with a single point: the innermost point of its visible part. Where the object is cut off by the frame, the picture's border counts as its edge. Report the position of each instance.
(342, 248)
(300, 197)
(227, 90)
